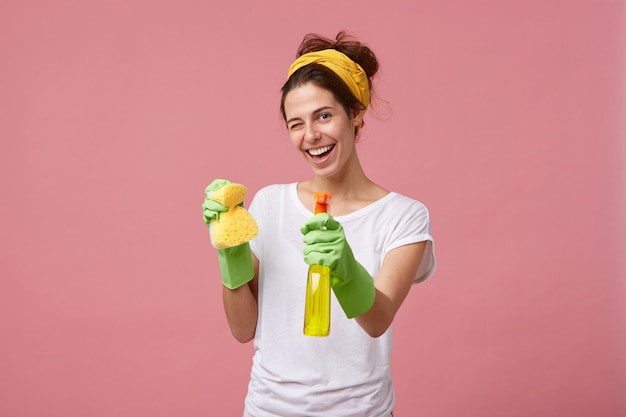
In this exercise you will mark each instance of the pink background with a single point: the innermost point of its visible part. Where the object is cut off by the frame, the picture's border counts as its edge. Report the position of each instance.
(505, 117)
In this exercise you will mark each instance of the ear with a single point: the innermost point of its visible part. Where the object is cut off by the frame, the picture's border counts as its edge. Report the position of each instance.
(357, 117)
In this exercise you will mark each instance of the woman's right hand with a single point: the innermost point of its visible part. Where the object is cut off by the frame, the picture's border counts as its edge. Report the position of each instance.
(211, 209)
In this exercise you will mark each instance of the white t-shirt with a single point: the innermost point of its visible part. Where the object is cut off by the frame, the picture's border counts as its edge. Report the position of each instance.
(346, 374)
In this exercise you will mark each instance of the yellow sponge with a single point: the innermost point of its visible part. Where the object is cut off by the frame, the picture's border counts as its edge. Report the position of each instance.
(235, 226)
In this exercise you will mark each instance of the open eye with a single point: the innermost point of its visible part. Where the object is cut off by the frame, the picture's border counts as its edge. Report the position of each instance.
(323, 116)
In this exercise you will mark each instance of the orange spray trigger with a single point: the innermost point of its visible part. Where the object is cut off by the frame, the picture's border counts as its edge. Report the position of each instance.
(321, 202)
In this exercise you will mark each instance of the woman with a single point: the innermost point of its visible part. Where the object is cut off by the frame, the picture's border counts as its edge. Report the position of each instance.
(376, 242)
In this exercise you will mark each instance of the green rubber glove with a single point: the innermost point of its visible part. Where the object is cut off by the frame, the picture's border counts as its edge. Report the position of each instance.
(326, 244)
(211, 210)
(235, 263)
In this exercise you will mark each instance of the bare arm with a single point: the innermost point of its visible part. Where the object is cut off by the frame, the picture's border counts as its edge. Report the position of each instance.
(392, 284)
(241, 307)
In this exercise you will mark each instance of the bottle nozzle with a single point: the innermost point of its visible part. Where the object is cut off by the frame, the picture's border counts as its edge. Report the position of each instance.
(321, 202)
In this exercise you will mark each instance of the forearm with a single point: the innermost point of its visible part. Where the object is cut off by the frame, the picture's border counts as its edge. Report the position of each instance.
(241, 309)
(241, 306)
(393, 283)
(379, 317)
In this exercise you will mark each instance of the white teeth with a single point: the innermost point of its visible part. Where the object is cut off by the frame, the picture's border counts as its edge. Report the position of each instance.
(319, 151)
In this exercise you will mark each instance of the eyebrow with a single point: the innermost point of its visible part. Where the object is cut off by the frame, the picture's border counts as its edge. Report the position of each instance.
(314, 112)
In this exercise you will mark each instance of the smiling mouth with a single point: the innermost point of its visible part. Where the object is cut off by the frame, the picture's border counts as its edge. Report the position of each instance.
(320, 152)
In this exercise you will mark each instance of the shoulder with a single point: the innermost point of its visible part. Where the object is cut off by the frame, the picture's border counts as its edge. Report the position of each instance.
(404, 216)
(273, 191)
(271, 196)
(406, 205)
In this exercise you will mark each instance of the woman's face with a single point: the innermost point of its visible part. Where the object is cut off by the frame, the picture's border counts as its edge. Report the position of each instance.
(320, 129)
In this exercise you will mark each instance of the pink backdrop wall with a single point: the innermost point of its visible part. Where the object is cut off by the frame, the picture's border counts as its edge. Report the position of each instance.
(505, 118)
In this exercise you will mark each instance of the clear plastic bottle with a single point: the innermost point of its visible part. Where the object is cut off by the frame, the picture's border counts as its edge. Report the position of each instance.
(317, 302)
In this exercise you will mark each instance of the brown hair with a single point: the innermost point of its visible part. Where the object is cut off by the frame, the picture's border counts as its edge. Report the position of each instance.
(326, 78)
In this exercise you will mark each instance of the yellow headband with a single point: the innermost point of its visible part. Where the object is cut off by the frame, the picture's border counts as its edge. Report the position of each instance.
(349, 71)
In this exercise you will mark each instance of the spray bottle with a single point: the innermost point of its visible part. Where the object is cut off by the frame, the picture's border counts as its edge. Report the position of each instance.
(317, 303)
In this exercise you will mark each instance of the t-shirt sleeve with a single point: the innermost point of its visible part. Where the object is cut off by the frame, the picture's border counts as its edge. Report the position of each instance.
(413, 226)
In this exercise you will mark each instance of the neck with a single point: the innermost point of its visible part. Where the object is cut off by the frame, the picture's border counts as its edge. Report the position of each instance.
(352, 181)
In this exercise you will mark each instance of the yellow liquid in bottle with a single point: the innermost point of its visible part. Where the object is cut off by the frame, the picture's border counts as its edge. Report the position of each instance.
(317, 303)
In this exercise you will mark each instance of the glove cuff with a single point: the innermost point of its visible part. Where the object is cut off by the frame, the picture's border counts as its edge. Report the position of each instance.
(357, 295)
(236, 265)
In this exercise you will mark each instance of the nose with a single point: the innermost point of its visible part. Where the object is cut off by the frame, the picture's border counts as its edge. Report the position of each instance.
(311, 134)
